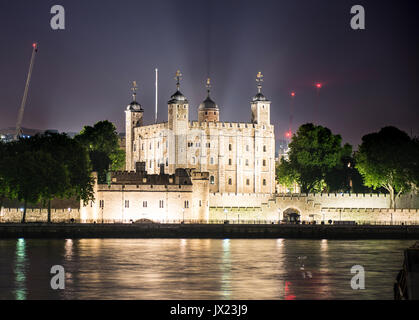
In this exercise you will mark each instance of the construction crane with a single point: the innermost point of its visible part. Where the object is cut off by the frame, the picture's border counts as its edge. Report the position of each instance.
(25, 94)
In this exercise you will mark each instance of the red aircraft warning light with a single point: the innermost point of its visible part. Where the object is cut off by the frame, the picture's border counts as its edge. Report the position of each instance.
(288, 134)
(292, 94)
(318, 85)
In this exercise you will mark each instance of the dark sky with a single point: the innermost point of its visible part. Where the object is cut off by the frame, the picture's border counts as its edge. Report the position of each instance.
(82, 74)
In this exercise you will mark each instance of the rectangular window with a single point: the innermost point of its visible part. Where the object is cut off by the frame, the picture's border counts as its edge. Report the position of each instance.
(126, 203)
(186, 204)
(247, 182)
(101, 203)
(229, 162)
(161, 203)
(144, 204)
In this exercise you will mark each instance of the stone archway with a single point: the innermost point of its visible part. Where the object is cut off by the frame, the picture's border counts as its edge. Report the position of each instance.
(291, 215)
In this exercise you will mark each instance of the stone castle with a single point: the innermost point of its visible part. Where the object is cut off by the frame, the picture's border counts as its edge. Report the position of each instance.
(239, 157)
(176, 169)
(212, 170)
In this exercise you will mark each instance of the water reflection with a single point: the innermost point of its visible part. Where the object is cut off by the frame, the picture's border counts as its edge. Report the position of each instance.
(20, 270)
(198, 268)
(226, 270)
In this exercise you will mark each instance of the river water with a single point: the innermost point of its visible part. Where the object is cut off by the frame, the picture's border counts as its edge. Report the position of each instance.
(199, 268)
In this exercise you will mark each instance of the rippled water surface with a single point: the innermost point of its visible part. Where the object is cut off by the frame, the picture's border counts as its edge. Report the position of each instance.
(199, 268)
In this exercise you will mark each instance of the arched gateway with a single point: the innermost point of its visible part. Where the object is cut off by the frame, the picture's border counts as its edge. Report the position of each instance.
(291, 215)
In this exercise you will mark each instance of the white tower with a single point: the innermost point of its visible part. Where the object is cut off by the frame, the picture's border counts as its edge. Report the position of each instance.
(133, 118)
(178, 121)
(260, 105)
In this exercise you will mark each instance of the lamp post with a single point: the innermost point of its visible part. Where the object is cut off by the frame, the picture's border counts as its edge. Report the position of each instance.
(226, 211)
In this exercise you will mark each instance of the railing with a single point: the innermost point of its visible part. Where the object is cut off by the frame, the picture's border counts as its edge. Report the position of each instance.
(229, 222)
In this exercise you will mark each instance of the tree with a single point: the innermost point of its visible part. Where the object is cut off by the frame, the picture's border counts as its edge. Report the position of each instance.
(314, 153)
(67, 168)
(23, 176)
(4, 183)
(389, 159)
(44, 167)
(102, 143)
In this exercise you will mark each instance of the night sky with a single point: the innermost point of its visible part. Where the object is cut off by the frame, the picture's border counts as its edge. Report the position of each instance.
(83, 74)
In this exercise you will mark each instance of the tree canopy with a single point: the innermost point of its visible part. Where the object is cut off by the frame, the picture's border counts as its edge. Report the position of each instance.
(389, 159)
(44, 167)
(316, 160)
(102, 143)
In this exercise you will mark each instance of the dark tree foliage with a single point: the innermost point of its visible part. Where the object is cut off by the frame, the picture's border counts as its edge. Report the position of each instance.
(102, 143)
(389, 159)
(317, 160)
(44, 167)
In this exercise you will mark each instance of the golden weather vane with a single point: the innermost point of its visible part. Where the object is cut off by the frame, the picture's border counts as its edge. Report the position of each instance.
(134, 90)
(208, 84)
(259, 80)
(178, 77)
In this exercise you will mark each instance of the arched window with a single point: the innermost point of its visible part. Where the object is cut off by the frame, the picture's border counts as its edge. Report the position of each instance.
(264, 182)
(212, 160)
(264, 163)
(230, 181)
(193, 160)
(212, 180)
(264, 148)
(230, 147)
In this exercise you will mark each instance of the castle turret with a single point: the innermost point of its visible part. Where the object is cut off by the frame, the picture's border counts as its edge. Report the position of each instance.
(178, 123)
(208, 110)
(133, 118)
(260, 105)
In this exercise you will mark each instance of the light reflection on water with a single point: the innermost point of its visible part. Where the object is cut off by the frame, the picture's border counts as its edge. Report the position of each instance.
(199, 268)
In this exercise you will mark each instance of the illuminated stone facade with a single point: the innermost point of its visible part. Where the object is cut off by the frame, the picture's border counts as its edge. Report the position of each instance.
(132, 196)
(239, 157)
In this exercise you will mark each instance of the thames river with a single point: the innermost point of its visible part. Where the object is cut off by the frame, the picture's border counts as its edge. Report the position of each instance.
(199, 268)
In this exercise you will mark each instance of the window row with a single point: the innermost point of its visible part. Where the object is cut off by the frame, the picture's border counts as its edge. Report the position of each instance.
(230, 181)
(145, 203)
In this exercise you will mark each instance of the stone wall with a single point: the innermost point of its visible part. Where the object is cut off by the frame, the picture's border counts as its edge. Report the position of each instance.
(238, 199)
(39, 215)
